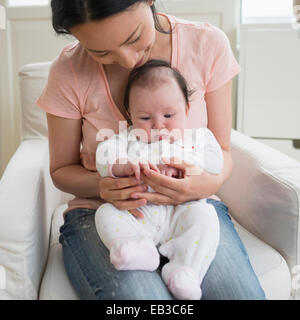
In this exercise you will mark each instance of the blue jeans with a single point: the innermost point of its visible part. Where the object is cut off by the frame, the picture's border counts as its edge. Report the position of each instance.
(86, 259)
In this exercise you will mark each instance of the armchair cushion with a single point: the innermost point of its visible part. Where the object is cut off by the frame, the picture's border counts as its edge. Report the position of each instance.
(263, 195)
(22, 232)
(28, 199)
(33, 78)
(55, 284)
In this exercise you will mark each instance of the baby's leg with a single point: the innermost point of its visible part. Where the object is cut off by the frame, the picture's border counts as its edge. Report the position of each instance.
(131, 246)
(191, 249)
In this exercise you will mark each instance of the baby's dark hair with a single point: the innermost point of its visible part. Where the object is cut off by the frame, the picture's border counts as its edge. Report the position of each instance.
(66, 13)
(153, 73)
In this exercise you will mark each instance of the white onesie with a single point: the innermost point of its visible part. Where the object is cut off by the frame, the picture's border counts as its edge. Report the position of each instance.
(188, 234)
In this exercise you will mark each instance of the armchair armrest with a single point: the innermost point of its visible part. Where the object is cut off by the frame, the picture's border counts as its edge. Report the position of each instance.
(263, 195)
(28, 199)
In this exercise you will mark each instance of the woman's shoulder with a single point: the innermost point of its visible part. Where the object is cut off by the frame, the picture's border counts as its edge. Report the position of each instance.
(72, 59)
(68, 53)
(197, 33)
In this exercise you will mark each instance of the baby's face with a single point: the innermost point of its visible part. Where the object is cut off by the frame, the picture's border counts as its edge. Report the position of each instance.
(160, 112)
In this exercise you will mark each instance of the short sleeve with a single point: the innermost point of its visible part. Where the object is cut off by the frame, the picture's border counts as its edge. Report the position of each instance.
(222, 65)
(61, 95)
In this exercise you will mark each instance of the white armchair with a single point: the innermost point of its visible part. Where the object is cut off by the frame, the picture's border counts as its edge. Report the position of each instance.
(262, 195)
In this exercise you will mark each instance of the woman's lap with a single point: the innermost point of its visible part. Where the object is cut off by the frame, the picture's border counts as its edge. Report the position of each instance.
(90, 271)
(87, 263)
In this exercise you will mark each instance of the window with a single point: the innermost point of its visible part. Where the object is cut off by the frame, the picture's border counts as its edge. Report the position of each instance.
(22, 3)
(268, 11)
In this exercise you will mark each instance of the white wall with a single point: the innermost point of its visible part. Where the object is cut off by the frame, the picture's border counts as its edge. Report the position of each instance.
(28, 38)
(268, 95)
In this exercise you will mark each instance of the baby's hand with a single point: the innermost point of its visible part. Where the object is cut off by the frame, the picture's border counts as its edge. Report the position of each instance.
(125, 169)
(169, 171)
(148, 165)
(136, 167)
(132, 168)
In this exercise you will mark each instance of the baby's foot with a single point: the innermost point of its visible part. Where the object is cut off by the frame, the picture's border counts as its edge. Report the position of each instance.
(133, 255)
(183, 283)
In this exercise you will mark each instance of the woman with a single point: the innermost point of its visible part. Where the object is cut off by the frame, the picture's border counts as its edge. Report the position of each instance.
(84, 94)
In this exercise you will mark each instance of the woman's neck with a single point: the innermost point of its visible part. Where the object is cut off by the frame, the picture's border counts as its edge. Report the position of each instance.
(163, 42)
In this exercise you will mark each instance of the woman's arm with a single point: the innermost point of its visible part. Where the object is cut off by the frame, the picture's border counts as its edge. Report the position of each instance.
(219, 114)
(65, 169)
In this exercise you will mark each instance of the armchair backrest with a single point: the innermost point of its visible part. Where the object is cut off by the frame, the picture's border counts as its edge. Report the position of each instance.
(32, 79)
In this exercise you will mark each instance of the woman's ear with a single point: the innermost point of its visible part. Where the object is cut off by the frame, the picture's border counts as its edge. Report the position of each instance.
(150, 2)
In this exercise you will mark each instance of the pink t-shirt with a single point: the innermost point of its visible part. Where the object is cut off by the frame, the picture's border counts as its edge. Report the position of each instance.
(77, 86)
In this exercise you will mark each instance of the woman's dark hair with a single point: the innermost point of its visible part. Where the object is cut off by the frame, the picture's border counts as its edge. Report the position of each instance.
(69, 13)
(145, 76)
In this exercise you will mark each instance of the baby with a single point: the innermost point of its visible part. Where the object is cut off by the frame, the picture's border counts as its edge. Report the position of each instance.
(157, 105)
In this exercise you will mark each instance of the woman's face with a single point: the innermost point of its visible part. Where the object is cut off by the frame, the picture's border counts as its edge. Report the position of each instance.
(125, 39)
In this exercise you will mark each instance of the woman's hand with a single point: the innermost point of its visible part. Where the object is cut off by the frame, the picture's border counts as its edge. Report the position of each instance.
(118, 191)
(196, 184)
